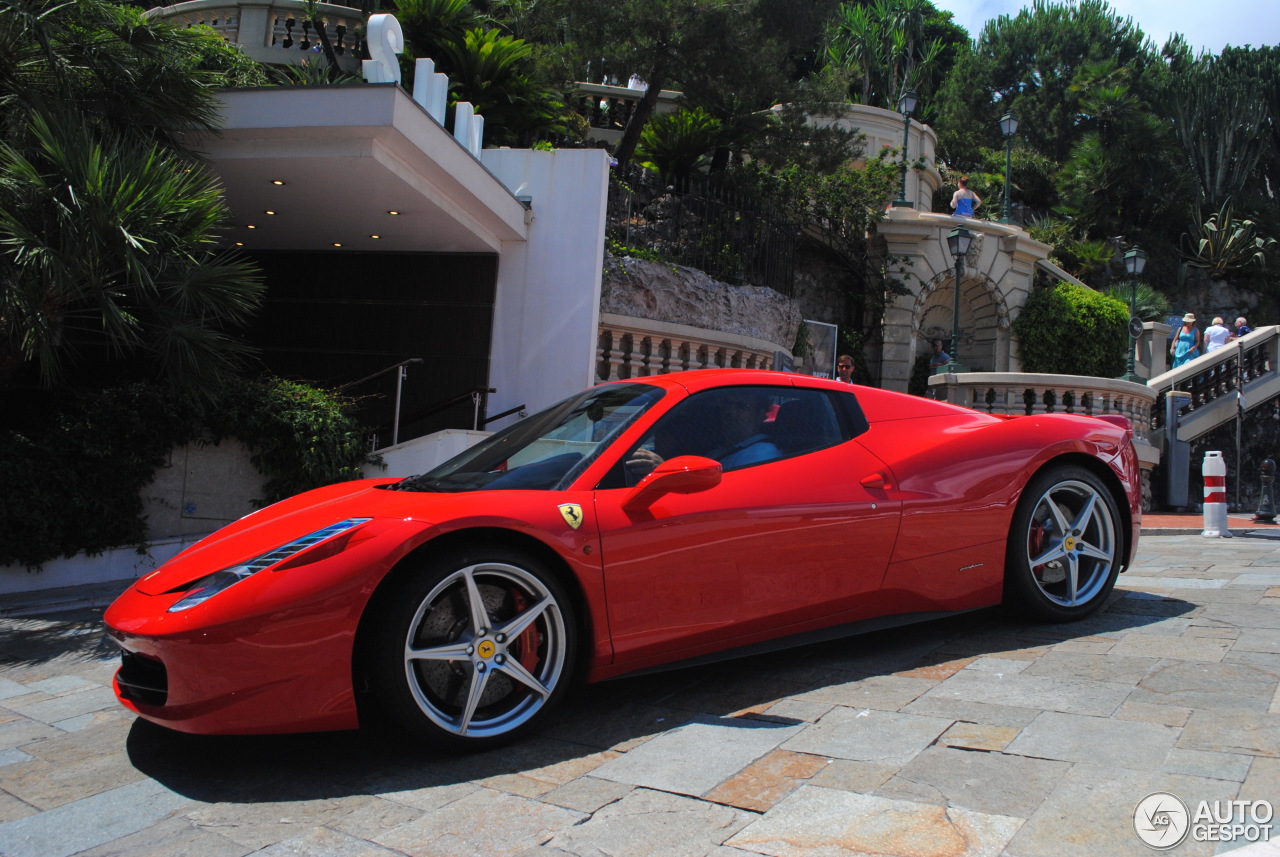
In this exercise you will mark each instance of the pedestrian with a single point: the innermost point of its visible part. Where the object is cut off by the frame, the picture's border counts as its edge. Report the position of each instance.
(844, 368)
(940, 357)
(1186, 342)
(965, 201)
(1242, 327)
(1216, 335)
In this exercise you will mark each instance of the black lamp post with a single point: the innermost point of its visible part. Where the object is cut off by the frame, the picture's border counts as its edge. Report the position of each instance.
(906, 106)
(1134, 261)
(1008, 127)
(958, 243)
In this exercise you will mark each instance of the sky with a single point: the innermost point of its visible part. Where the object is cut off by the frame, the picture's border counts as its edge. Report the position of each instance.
(1206, 24)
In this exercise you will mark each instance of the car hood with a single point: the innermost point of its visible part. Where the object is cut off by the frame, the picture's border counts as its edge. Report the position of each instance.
(278, 524)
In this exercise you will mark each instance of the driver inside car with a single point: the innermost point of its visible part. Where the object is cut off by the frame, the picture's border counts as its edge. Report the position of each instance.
(727, 426)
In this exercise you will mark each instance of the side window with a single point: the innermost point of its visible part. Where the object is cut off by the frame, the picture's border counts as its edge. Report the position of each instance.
(737, 426)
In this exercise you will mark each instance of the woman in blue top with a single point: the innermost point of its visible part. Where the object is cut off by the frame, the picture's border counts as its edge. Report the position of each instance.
(965, 201)
(1186, 343)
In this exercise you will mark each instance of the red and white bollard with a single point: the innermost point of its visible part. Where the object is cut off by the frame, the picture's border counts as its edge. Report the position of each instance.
(1215, 497)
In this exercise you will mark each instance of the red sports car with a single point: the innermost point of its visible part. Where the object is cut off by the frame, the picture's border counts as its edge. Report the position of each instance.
(638, 524)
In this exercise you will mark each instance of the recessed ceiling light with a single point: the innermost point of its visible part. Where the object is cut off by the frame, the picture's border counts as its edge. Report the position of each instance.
(268, 211)
(375, 236)
(336, 244)
(250, 226)
(393, 212)
(277, 182)
(239, 243)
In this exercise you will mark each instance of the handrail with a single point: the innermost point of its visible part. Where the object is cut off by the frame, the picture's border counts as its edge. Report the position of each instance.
(402, 369)
(381, 372)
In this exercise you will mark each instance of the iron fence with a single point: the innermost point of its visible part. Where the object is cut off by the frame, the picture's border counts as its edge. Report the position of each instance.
(735, 238)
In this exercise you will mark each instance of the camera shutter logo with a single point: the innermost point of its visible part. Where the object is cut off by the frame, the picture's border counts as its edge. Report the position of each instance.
(1161, 820)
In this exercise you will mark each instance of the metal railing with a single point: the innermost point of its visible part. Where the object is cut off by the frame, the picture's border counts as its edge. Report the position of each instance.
(402, 371)
(734, 238)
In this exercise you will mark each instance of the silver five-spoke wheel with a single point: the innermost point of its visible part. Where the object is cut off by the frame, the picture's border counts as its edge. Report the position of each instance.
(476, 650)
(1065, 545)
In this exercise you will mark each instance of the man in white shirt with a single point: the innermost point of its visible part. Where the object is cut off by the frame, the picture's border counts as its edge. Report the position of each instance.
(1216, 336)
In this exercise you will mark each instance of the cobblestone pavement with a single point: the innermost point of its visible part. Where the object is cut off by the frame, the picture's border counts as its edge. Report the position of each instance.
(974, 735)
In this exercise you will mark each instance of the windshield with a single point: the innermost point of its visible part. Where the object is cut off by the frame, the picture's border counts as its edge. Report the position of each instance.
(546, 451)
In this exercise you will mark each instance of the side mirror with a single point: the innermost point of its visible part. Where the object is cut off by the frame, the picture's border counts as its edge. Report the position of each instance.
(684, 474)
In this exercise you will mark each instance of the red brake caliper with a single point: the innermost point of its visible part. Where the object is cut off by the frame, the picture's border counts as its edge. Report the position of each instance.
(526, 646)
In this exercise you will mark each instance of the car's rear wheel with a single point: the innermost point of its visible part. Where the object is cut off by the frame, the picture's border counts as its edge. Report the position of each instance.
(474, 650)
(1064, 546)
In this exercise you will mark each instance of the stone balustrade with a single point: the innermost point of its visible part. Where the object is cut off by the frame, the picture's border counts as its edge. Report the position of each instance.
(279, 32)
(632, 347)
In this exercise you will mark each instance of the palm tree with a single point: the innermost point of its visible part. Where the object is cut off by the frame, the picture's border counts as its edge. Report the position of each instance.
(108, 227)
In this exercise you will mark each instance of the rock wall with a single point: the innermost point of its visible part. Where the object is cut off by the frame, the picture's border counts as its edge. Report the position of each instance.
(671, 293)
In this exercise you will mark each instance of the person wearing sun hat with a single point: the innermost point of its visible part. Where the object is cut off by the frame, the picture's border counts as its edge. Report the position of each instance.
(1186, 343)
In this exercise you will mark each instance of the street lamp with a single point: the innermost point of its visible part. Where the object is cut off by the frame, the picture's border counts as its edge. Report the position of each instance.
(958, 243)
(906, 106)
(1008, 127)
(1134, 261)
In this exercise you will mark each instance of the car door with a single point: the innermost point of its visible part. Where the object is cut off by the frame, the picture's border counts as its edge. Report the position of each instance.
(780, 545)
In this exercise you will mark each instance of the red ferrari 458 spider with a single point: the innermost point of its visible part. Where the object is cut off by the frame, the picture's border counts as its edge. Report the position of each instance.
(638, 524)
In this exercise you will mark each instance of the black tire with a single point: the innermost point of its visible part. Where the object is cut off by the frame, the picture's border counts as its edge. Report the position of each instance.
(1065, 545)
(466, 679)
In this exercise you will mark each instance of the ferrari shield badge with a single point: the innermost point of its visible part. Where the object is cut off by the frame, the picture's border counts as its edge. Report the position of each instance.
(572, 513)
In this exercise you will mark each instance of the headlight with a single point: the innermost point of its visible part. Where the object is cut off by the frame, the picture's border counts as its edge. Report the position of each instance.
(210, 585)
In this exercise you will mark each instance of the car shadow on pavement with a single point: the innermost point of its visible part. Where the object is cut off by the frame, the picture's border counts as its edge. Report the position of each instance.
(598, 720)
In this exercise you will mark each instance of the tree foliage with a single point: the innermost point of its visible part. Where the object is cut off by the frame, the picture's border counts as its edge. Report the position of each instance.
(1069, 330)
(108, 228)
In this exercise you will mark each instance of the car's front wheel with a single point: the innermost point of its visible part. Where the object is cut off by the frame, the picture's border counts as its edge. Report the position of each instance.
(1065, 545)
(475, 649)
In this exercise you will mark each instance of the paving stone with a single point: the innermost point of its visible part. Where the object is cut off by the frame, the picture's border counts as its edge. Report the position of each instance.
(1258, 640)
(1079, 738)
(9, 689)
(996, 783)
(648, 822)
(322, 842)
(1169, 715)
(83, 824)
(1069, 695)
(1168, 583)
(765, 782)
(11, 808)
(1201, 763)
(1243, 615)
(818, 821)
(1000, 666)
(55, 776)
(1092, 667)
(1257, 578)
(1087, 645)
(850, 776)
(696, 757)
(433, 797)
(372, 815)
(169, 838)
(973, 712)
(885, 692)
(977, 736)
(882, 737)
(50, 709)
(1219, 686)
(1232, 732)
(484, 822)
(935, 670)
(259, 824)
(587, 794)
(799, 710)
(1090, 813)
(1181, 648)
(22, 730)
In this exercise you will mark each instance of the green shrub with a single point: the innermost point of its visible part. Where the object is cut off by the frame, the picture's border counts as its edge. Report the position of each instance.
(73, 465)
(1069, 330)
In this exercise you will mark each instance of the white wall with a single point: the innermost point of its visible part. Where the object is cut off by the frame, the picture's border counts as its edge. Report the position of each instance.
(546, 315)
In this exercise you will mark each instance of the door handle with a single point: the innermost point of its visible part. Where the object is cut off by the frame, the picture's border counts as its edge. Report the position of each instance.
(875, 480)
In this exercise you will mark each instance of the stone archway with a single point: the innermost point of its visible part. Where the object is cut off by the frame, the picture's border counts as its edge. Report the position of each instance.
(984, 319)
(998, 272)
